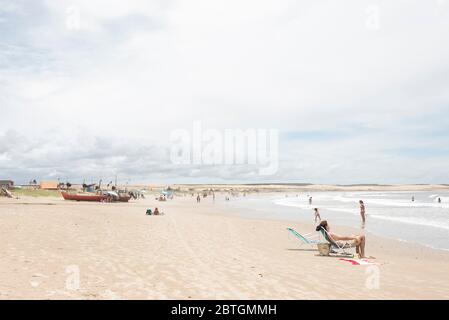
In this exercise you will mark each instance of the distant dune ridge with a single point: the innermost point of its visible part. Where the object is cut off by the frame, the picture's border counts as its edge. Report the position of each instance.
(292, 187)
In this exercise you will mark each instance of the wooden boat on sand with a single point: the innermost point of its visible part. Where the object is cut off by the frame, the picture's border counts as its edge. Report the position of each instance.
(84, 197)
(93, 197)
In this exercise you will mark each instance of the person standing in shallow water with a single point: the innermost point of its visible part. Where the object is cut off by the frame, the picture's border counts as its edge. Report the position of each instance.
(362, 211)
(317, 215)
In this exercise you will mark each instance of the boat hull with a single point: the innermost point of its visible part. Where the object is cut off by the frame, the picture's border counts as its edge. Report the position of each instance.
(83, 197)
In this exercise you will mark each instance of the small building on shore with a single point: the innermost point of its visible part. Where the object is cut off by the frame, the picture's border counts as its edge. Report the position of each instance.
(7, 184)
(49, 185)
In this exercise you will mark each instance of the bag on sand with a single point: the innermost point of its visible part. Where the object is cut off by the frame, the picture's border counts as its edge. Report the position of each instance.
(324, 248)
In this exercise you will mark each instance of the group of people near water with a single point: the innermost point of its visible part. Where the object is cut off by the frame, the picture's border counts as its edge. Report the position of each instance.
(362, 212)
(439, 199)
(358, 241)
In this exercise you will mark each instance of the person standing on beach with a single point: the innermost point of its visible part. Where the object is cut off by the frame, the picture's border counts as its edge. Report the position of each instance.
(310, 200)
(439, 200)
(362, 210)
(317, 215)
(198, 198)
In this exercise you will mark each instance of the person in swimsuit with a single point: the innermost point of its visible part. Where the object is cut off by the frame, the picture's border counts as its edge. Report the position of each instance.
(362, 210)
(317, 215)
(358, 240)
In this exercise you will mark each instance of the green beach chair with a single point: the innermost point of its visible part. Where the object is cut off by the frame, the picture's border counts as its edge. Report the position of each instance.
(304, 239)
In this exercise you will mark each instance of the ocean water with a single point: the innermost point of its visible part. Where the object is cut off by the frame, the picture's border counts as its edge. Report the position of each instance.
(388, 214)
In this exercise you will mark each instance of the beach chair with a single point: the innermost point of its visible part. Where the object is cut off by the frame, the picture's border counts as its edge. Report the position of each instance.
(336, 248)
(304, 239)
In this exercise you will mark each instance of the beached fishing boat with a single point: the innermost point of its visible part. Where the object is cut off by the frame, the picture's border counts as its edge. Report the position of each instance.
(107, 196)
(84, 197)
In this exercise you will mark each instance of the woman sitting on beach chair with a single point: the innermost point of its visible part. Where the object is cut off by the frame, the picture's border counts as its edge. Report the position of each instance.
(358, 241)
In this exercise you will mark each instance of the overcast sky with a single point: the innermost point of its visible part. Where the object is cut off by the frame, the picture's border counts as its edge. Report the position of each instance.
(358, 92)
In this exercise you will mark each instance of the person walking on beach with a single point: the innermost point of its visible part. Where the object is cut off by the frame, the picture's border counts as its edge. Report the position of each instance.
(317, 215)
(362, 210)
(310, 200)
(198, 198)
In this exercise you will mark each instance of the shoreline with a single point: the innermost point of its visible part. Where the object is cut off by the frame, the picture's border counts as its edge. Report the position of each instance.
(271, 187)
(346, 227)
(292, 187)
(340, 227)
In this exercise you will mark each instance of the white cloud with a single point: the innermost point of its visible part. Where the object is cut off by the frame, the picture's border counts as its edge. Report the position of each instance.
(137, 70)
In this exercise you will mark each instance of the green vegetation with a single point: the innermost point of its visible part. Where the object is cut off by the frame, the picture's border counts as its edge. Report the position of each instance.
(36, 193)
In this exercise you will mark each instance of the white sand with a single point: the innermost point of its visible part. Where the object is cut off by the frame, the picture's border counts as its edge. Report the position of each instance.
(193, 252)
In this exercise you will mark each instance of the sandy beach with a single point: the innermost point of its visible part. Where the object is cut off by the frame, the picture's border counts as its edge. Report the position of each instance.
(243, 122)
(56, 249)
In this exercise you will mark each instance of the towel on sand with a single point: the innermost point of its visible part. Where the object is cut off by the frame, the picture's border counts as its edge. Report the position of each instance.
(359, 262)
